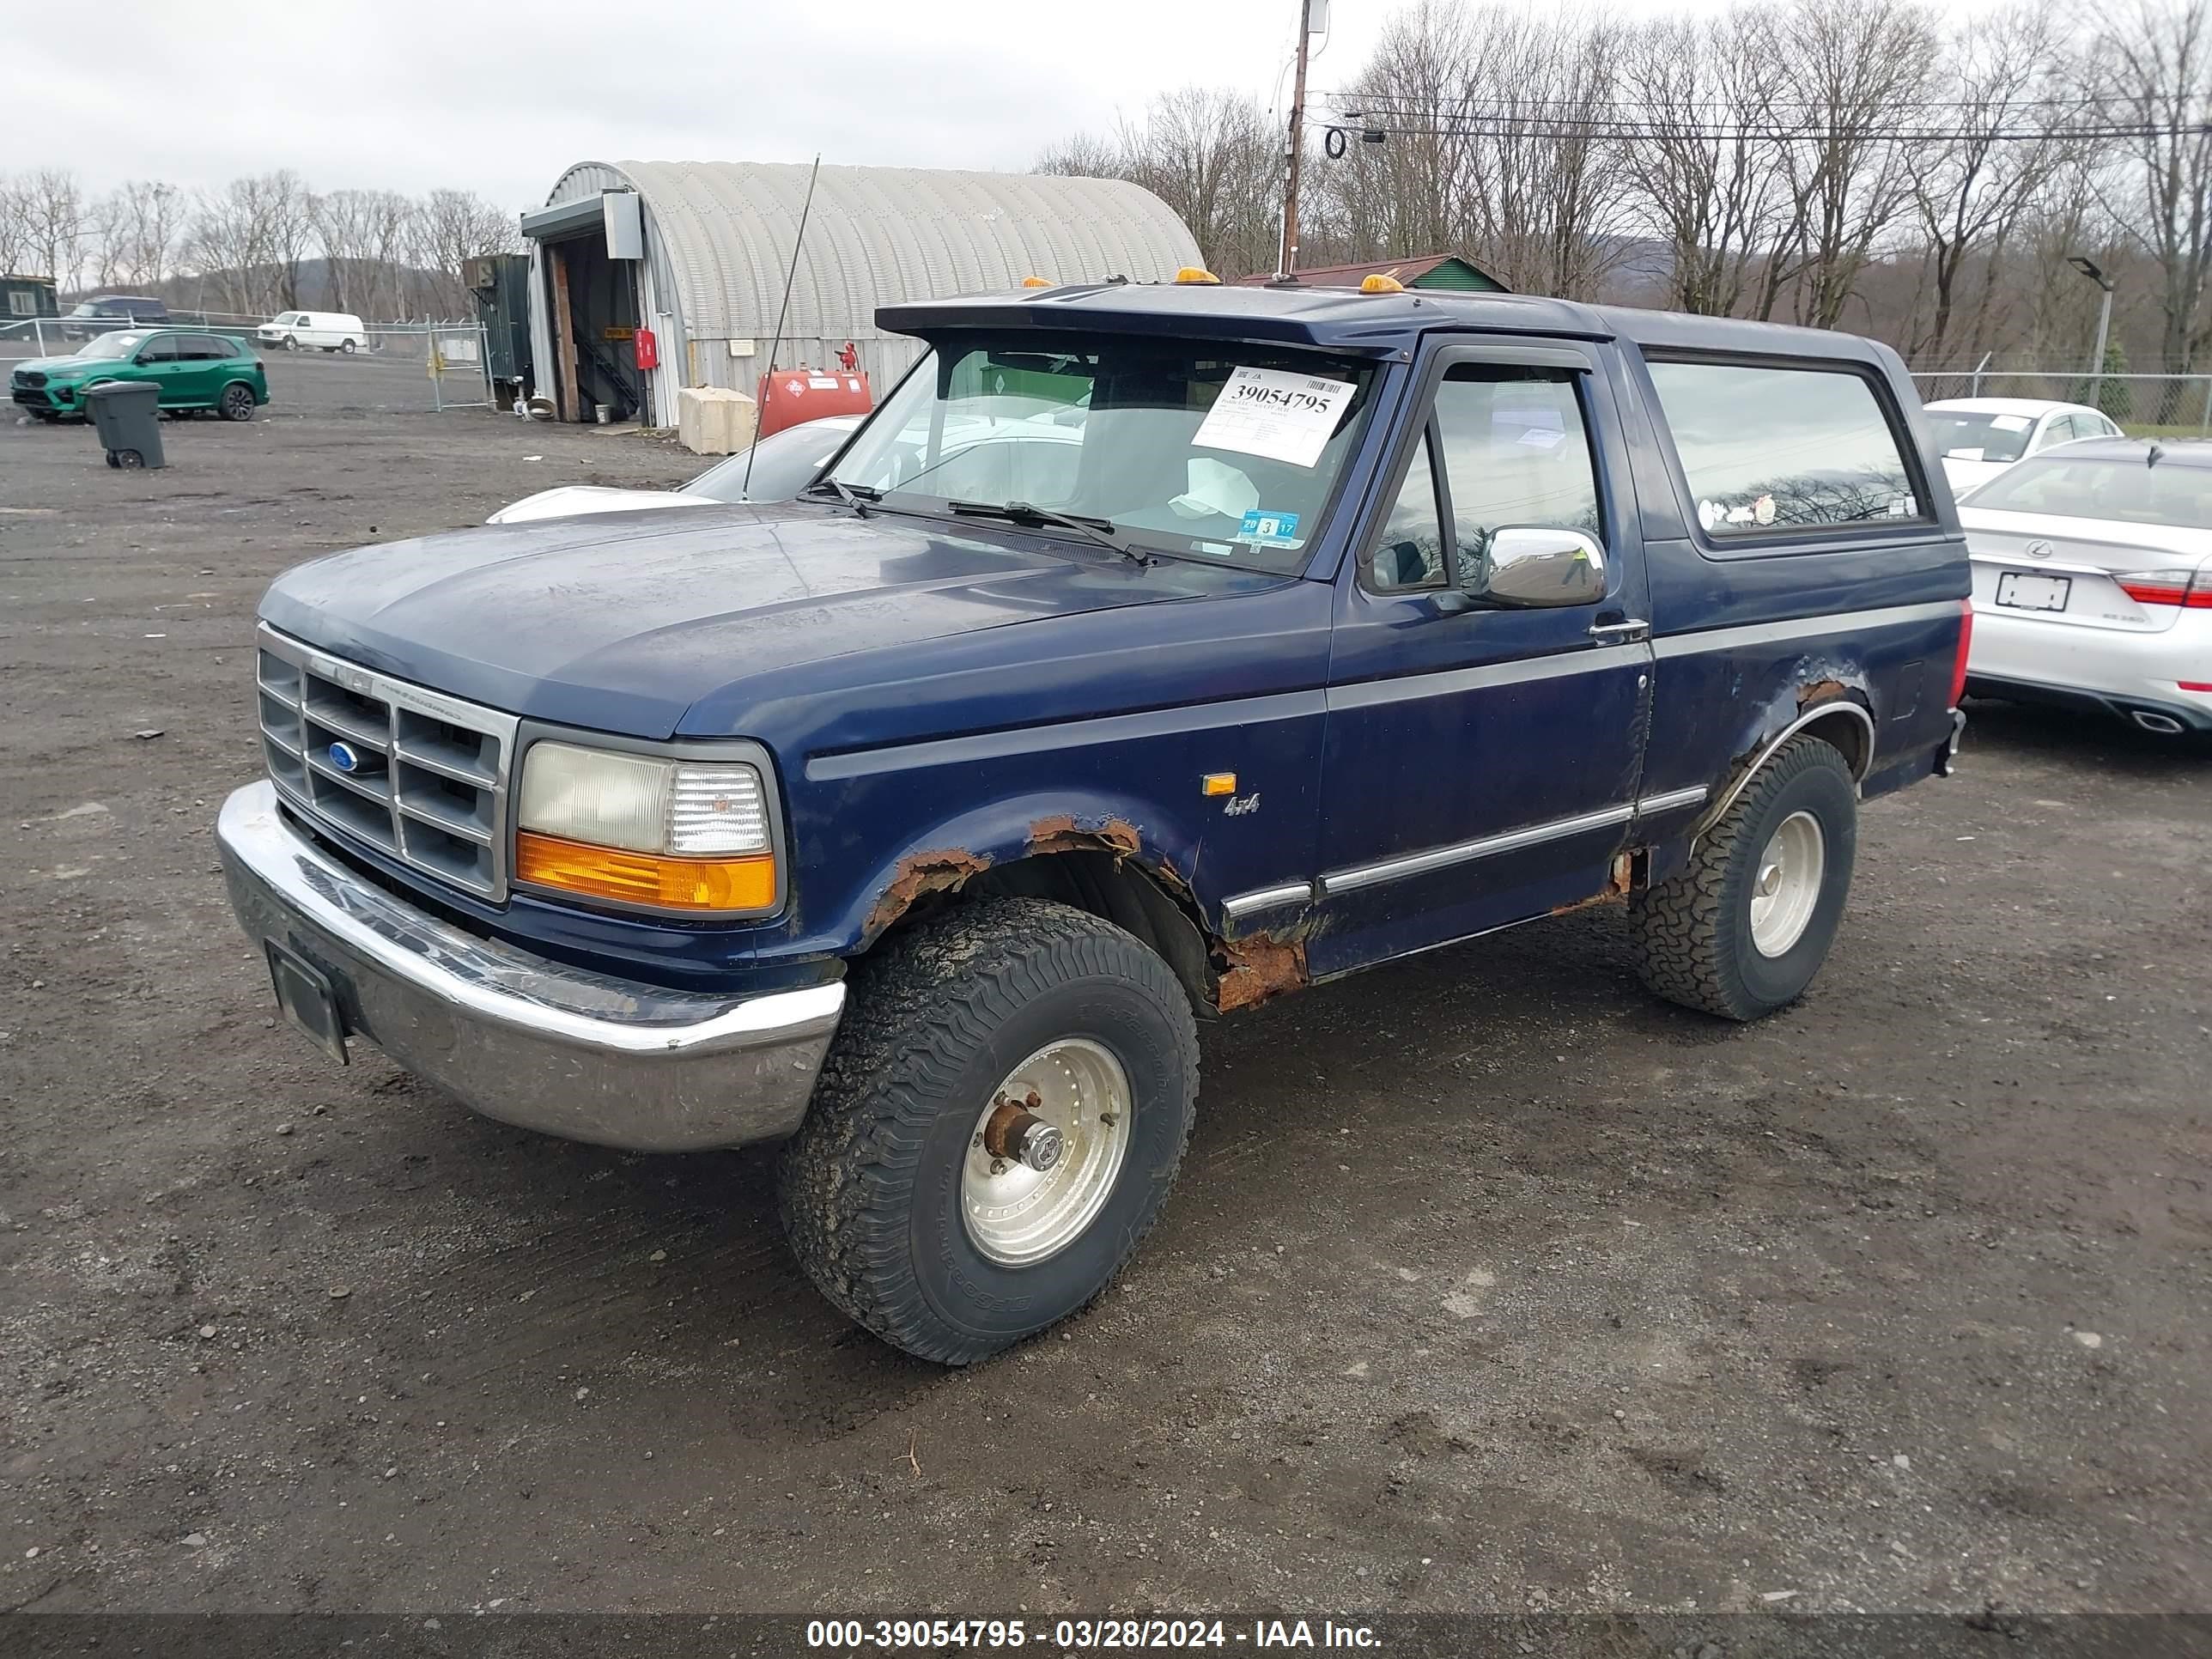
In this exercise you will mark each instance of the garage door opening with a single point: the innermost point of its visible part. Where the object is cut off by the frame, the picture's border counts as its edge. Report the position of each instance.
(591, 265)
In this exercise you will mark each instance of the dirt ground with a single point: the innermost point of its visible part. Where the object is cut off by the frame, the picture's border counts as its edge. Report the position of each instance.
(1490, 1283)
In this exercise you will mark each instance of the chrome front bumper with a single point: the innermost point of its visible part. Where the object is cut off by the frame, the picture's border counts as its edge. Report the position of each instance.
(529, 1041)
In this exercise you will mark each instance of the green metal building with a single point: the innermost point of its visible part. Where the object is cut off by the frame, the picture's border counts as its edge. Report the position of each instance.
(27, 296)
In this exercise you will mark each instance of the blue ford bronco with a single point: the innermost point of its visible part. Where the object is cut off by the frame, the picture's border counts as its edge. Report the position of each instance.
(1152, 651)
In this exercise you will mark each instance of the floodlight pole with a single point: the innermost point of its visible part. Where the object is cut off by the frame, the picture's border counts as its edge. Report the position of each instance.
(2088, 268)
(1286, 258)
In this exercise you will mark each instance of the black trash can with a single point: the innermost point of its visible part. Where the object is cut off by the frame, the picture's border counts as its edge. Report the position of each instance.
(127, 414)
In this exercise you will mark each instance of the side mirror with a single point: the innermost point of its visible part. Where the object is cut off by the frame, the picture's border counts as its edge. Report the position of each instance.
(1536, 567)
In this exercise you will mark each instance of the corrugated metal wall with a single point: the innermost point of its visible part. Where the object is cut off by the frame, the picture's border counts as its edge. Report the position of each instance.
(718, 237)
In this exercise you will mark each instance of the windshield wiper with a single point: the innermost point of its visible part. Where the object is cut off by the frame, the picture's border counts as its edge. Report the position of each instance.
(1101, 530)
(856, 496)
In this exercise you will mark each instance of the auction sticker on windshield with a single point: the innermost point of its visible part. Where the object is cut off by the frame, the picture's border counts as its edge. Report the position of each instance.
(1274, 413)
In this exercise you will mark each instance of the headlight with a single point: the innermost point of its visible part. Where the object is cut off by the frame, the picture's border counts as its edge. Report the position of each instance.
(673, 835)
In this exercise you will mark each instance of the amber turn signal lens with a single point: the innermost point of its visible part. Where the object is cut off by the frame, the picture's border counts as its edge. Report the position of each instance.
(668, 883)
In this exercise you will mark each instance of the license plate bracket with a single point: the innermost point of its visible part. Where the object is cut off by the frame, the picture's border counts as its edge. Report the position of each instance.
(305, 994)
(2025, 591)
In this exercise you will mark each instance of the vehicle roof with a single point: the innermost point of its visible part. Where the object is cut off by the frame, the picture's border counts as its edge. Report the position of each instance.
(1347, 321)
(2011, 406)
(2172, 451)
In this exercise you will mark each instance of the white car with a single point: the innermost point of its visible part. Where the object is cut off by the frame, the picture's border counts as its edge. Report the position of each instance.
(783, 464)
(1979, 437)
(318, 331)
(2093, 582)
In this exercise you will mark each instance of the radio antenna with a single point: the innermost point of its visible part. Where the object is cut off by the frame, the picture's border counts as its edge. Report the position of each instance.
(775, 341)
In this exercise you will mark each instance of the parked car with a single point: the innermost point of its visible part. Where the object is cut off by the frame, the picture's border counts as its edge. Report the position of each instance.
(107, 313)
(2093, 587)
(318, 331)
(194, 371)
(780, 466)
(1980, 437)
(913, 822)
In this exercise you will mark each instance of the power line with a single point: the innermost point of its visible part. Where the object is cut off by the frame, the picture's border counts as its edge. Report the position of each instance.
(1531, 126)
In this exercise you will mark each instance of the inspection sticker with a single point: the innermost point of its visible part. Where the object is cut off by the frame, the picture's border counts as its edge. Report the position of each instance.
(1270, 412)
(1269, 529)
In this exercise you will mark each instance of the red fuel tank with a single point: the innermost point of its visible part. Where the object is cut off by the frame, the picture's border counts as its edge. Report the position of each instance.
(790, 396)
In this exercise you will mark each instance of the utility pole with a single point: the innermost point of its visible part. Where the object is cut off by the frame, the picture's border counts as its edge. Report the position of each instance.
(1286, 258)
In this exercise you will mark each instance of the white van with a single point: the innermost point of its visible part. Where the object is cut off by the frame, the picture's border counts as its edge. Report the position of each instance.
(326, 330)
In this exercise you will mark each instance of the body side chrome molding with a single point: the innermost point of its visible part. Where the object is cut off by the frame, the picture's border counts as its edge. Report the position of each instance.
(1268, 898)
(1671, 800)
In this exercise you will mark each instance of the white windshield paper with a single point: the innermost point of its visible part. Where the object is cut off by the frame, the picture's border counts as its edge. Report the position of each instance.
(1274, 413)
(2009, 422)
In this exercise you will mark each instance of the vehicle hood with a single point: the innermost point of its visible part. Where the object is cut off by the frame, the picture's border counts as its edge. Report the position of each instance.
(623, 623)
(567, 501)
(51, 367)
(1966, 475)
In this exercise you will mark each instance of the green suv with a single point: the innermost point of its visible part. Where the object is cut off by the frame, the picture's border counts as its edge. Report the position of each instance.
(194, 371)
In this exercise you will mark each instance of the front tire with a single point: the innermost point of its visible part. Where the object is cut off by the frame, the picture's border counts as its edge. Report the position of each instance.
(1742, 929)
(907, 1194)
(290, 343)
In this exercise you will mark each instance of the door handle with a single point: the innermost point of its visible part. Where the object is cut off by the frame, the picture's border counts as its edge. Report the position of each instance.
(1620, 633)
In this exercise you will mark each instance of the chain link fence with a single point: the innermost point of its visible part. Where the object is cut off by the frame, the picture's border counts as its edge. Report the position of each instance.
(2171, 405)
(390, 367)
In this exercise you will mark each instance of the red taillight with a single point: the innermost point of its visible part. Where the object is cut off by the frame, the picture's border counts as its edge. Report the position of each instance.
(2191, 589)
(1966, 641)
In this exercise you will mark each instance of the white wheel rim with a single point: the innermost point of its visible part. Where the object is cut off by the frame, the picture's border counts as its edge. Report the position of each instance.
(1018, 1216)
(1786, 885)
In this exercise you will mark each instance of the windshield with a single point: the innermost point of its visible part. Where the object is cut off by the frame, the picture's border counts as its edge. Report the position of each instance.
(783, 463)
(111, 345)
(1203, 450)
(2120, 488)
(1964, 434)
(95, 309)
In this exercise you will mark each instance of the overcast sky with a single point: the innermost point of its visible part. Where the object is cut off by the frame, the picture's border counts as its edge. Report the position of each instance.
(501, 98)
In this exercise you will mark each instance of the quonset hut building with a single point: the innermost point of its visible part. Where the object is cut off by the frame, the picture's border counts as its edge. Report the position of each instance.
(697, 252)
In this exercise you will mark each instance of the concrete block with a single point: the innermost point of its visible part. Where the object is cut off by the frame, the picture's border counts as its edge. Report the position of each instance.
(712, 420)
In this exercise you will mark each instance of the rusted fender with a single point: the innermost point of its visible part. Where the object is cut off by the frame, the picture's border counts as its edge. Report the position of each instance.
(949, 854)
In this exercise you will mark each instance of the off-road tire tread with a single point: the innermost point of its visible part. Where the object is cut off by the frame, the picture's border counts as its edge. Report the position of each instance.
(915, 1010)
(1685, 947)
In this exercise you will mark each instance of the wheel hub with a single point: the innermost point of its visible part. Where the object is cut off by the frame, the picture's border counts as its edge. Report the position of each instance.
(1045, 1153)
(1787, 883)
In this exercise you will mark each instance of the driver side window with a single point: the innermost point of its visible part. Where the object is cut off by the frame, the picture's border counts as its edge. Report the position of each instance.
(1515, 452)
(162, 348)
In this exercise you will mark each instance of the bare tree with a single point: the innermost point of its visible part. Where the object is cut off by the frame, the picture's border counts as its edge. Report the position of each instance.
(1706, 165)
(287, 208)
(1083, 155)
(1859, 70)
(2004, 73)
(1214, 158)
(52, 211)
(135, 231)
(2150, 72)
(14, 227)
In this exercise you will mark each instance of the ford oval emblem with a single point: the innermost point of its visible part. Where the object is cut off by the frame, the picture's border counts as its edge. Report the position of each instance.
(2039, 550)
(345, 756)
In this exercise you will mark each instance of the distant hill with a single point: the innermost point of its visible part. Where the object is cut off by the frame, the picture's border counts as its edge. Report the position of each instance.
(375, 293)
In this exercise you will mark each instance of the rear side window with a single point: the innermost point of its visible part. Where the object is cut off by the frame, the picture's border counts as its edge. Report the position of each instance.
(1768, 448)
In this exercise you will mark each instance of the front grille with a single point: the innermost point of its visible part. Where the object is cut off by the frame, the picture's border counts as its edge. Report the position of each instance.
(428, 784)
(29, 377)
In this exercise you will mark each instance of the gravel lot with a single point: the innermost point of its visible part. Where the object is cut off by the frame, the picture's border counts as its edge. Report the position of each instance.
(1490, 1284)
